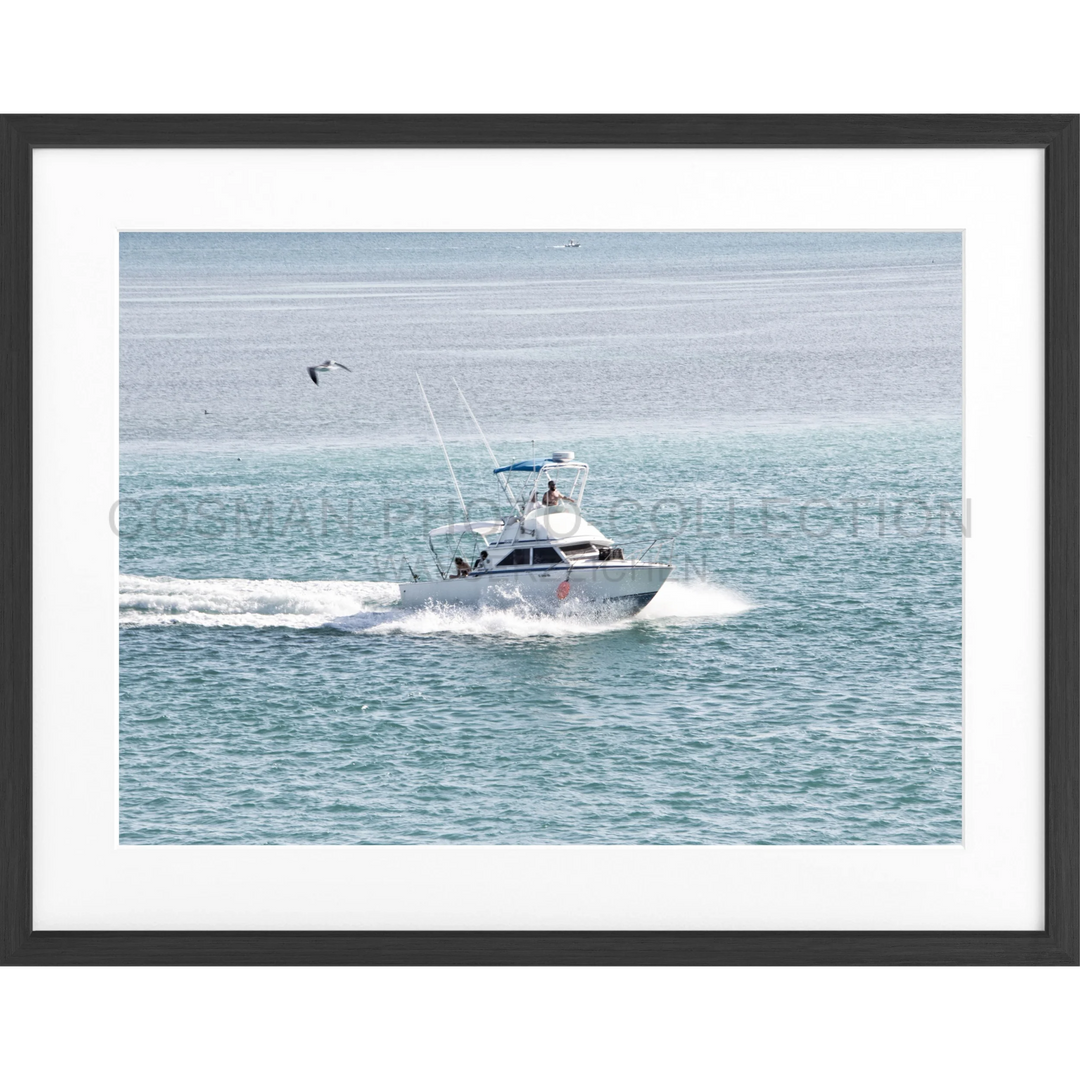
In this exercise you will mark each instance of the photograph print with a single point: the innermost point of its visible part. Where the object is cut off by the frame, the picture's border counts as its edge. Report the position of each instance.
(496, 538)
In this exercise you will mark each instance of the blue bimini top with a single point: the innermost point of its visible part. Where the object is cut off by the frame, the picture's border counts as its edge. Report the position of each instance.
(529, 466)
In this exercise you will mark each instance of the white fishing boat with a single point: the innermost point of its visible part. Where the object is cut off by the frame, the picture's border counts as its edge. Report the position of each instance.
(543, 554)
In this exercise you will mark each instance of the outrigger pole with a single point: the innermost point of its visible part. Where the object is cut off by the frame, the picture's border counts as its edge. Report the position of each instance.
(457, 488)
(491, 453)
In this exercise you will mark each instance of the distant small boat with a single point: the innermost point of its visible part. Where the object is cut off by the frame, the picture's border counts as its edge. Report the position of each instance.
(571, 243)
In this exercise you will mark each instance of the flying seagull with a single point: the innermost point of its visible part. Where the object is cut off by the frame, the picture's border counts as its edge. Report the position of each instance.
(326, 365)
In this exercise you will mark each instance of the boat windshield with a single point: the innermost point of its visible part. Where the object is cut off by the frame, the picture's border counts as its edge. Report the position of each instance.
(575, 552)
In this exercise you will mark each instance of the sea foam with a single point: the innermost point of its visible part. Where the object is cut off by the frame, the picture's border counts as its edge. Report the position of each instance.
(146, 601)
(695, 600)
(371, 607)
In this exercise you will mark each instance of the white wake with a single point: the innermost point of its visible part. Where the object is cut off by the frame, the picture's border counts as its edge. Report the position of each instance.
(146, 601)
(694, 600)
(370, 607)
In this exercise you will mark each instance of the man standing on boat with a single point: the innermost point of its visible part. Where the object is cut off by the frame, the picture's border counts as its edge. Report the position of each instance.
(552, 497)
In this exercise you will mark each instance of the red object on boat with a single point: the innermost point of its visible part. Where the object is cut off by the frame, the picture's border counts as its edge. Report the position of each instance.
(563, 591)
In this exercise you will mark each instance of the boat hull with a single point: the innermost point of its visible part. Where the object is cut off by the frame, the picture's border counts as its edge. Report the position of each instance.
(625, 589)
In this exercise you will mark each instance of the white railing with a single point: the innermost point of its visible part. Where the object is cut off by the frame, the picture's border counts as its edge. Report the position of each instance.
(661, 544)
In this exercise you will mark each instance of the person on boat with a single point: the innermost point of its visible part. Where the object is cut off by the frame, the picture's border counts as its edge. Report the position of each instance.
(553, 496)
(480, 561)
(461, 566)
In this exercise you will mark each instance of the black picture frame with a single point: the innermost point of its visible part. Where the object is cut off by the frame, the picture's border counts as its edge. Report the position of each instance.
(1055, 135)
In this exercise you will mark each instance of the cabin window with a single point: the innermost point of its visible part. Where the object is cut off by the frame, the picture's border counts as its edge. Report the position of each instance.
(517, 557)
(579, 551)
(545, 555)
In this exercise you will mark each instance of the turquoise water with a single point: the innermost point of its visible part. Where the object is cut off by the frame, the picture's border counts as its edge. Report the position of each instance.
(787, 404)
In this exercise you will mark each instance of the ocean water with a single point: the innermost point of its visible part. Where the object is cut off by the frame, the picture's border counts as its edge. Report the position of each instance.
(787, 405)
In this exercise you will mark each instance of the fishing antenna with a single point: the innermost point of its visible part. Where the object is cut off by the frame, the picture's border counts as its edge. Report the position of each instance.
(491, 453)
(480, 431)
(457, 488)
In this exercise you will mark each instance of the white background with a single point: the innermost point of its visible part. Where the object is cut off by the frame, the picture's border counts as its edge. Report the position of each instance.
(82, 880)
